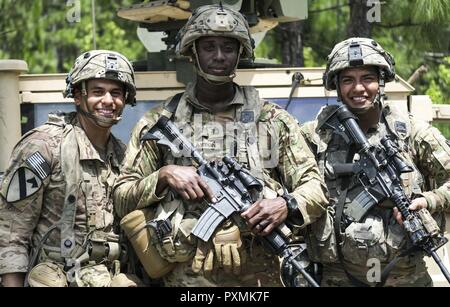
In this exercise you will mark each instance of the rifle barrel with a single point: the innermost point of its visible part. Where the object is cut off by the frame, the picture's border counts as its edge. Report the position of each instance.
(441, 265)
(300, 269)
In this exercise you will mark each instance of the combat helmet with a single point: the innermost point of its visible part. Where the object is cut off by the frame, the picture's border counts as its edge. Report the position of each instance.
(102, 64)
(354, 52)
(215, 20)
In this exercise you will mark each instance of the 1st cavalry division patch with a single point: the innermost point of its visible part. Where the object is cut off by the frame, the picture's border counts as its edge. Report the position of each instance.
(27, 180)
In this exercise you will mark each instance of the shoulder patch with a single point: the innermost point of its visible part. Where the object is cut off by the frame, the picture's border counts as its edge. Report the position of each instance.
(24, 183)
(37, 163)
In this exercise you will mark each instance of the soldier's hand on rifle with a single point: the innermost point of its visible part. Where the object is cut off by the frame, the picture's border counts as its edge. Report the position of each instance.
(416, 204)
(185, 181)
(265, 215)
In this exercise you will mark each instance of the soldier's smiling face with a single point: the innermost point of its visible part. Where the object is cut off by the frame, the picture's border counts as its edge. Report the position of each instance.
(104, 98)
(359, 86)
(217, 55)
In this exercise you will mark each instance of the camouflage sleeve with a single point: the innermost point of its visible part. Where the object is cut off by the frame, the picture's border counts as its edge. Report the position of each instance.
(21, 200)
(308, 131)
(136, 185)
(298, 166)
(433, 159)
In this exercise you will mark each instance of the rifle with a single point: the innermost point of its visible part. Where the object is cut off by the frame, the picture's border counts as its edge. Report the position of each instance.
(232, 186)
(378, 171)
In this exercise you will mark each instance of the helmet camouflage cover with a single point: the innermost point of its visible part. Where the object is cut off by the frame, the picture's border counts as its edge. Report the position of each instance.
(102, 64)
(215, 20)
(354, 52)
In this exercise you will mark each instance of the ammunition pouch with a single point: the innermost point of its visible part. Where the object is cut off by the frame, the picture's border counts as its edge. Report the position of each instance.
(50, 274)
(378, 236)
(92, 276)
(99, 248)
(47, 274)
(321, 239)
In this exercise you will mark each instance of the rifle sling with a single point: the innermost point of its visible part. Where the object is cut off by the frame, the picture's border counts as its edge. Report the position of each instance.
(345, 183)
(392, 264)
(172, 106)
(337, 230)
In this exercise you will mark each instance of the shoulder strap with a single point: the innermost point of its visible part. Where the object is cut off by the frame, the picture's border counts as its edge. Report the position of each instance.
(72, 177)
(60, 119)
(339, 241)
(168, 111)
(171, 107)
(345, 182)
(248, 115)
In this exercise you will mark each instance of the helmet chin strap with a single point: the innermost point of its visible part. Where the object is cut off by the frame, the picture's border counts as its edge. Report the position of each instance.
(100, 121)
(213, 79)
(379, 99)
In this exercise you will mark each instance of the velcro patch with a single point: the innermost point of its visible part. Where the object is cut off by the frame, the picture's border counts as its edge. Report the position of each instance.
(37, 163)
(247, 117)
(23, 184)
(400, 127)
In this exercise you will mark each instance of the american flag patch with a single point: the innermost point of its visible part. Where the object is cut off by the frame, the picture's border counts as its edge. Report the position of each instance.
(38, 164)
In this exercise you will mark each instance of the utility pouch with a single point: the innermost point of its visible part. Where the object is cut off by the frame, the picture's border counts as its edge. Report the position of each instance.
(47, 274)
(136, 227)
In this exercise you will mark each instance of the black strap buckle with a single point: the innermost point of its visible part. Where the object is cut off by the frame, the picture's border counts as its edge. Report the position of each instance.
(162, 228)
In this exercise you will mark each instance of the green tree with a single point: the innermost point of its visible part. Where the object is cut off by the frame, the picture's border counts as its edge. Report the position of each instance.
(42, 33)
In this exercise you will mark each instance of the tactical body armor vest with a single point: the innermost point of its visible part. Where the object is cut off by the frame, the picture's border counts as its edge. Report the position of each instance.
(99, 244)
(377, 235)
(238, 138)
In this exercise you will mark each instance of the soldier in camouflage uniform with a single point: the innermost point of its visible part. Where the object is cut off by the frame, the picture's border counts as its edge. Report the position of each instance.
(358, 68)
(56, 212)
(220, 117)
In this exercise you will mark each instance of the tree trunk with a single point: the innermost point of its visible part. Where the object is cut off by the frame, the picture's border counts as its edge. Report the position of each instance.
(290, 39)
(359, 24)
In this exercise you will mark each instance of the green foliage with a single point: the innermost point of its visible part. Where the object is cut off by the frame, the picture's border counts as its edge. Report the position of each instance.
(325, 28)
(409, 30)
(439, 88)
(41, 33)
(308, 53)
(431, 11)
(444, 128)
(268, 48)
(439, 91)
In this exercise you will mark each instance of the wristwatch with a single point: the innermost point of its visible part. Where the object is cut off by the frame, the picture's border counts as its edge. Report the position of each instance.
(291, 204)
(293, 210)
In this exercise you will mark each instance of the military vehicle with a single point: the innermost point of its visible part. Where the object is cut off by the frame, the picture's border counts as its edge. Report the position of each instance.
(162, 74)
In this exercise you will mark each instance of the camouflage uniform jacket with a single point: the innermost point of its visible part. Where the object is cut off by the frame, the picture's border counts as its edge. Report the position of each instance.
(135, 188)
(32, 194)
(378, 235)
